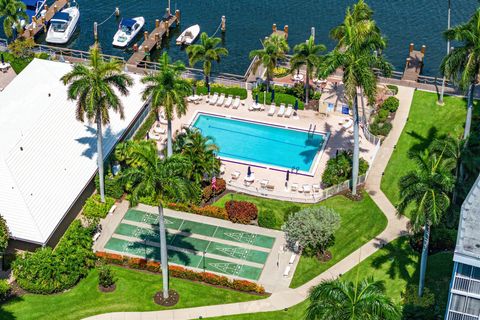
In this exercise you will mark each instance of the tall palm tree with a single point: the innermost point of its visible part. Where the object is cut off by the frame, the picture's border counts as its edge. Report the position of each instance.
(12, 12)
(167, 90)
(462, 64)
(356, 53)
(307, 54)
(425, 191)
(152, 176)
(93, 87)
(359, 300)
(207, 51)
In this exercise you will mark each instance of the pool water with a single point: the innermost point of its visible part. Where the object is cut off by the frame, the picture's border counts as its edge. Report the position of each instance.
(261, 144)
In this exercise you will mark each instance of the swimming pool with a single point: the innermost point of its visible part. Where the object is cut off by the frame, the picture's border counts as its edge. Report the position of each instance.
(262, 144)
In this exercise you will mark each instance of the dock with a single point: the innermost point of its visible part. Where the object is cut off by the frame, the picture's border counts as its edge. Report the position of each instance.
(154, 39)
(414, 64)
(40, 25)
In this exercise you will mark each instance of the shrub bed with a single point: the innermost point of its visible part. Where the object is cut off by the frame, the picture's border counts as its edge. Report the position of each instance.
(94, 208)
(47, 271)
(241, 211)
(381, 126)
(113, 186)
(419, 308)
(5, 290)
(207, 192)
(218, 88)
(279, 98)
(145, 127)
(183, 273)
(393, 88)
(209, 211)
(339, 169)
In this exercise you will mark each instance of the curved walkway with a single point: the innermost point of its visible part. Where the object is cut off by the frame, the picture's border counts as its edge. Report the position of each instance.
(290, 297)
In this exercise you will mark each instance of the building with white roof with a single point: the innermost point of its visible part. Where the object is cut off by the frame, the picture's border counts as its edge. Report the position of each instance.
(464, 296)
(48, 157)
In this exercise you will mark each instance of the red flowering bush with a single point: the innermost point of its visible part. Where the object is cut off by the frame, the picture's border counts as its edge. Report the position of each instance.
(209, 211)
(207, 192)
(241, 211)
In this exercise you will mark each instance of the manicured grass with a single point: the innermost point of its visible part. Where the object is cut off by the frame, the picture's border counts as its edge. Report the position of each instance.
(135, 291)
(294, 313)
(426, 120)
(17, 64)
(361, 221)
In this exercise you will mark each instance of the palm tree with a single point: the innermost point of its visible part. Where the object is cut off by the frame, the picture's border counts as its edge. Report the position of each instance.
(359, 41)
(167, 90)
(207, 51)
(93, 87)
(307, 54)
(274, 49)
(12, 12)
(462, 64)
(425, 191)
(340, 300)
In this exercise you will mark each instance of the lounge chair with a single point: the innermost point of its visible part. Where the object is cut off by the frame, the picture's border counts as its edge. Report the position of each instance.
(316, 188)
(289, 111)
(221, 100)
(159, 130)
(281, 112)
(235, 175)
(264, 183)
(213, 99)
(272, 109)
(270, 187)
(294, 187)
(155, 136)
(306, 188)
(228, 103)
(348, 124)
(163, 119)
(236, 103)
(222, 169)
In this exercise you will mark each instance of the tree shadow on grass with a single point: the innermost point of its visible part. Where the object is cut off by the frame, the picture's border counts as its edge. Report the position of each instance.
(423, 142)
(8, 315)
(398, 261)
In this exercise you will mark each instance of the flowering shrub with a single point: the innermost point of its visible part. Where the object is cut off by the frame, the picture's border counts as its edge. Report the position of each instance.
(207, 192)
(241, 211)
(209, 211)
(182, 273)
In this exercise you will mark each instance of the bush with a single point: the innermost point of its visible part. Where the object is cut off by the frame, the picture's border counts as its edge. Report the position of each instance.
(94, 208)
(382, 115)
(415, 307)
(218, 88)
(317, 95)
(339, 169)
(380, 128)
(241, 211)
(209, 211)
(279, 98)
(441, 239)
(113, 186)
(392, 88)
(48, 271)
(106, 277)
(280, 72)
(141, 132)
(4, 235)
(207, 192)
(391, 104)
(5, 290)
(267, 219)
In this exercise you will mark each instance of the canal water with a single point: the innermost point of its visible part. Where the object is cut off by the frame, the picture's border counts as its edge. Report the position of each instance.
(248, 21)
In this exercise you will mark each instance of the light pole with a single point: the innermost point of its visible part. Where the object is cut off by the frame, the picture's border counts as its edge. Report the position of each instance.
(440, 99)
(163, 250)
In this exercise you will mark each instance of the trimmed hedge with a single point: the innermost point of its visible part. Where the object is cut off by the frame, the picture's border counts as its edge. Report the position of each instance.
(4, 234)
(182, 273)
(267, 219)
(419, 308)
(391, 104)
(145, 127)
(392, 88)
(241, 211)
(218, 88)
(94, 208)
(279, 99)
(209, 211)
(380, 128)
(113, 186)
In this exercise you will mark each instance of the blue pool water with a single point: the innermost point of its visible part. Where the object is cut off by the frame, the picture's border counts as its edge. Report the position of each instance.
(263, 144)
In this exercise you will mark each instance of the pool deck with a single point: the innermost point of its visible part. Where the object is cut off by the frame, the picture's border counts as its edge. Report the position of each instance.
(340, 139)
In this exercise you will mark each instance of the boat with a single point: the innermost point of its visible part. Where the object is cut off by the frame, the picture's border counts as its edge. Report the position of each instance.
(189, 35)
(34, 8)
(63, 25)
(127, 30)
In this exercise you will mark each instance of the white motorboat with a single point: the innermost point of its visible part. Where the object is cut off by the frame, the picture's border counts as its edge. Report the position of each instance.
(188, 35)
(34, 8)
(63, 25)
(127, 30)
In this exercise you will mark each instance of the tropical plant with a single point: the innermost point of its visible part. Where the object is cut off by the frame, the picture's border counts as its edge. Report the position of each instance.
(307, 54)
(106, 277)
(167, 90)
(93, 87)
(340, 168)
(4, 236)
(462, 64)
(356, 53)
(207, 51)
(359, 300)
(274, 49)
(312, 228)
(425, 193)
(152, 176)
(22, 48)
(12, 12)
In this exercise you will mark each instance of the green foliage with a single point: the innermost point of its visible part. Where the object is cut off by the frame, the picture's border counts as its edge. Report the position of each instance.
(106, 277)
(94, 208)
(418, 308)
(208, 192)
(5, 290)
(280, 72)
(441, 239)
(339, 169)
(280, 98)
(313, 228)
(382, 115)
(218, 88)
(18, 64)
(391, 104)
(141, 132)
(392, 88)
(207, 50)
(317, 95)
(379, 128)
(267, 219)
(22, 48)
(4, 234)
(113, 186)
(48, 271)
(241, 211)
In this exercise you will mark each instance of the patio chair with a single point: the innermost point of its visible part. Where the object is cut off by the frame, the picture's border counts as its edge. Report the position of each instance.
(272, 109)
(236, 103)
(213, 99)
(316, 188)
(264, 183)
(236, 175)
(281, 112)
(222, 169)
(159, 130)
(306, 188)
(228, 103)
(348, 124)
(294, 187)
(289, 111)
(270, 187)
(221, 100)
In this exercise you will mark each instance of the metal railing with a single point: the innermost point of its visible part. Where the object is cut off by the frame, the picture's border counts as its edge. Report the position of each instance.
(57, 53)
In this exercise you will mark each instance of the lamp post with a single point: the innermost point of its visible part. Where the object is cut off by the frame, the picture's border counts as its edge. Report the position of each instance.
(440, 99)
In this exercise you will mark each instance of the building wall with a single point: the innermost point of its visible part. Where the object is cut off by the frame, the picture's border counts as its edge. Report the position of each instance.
(464, 296)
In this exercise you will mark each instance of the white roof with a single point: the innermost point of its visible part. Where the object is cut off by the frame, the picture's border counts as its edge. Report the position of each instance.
(47, 157)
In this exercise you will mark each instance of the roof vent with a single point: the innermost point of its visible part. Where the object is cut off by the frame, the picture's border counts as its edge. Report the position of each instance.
(21, 148)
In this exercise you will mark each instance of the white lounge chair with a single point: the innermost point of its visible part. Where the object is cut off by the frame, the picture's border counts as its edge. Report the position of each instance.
(292, 258)
(294, 187)
(163, 119)
(235, 175)
(272, 109)
(289, 111)
(287, 271)
(222, 169)
(306, 188)
(316, 188)
(221, 100)
(213, 99)
(236, 103)
(249, 179)
(159, 130)
(228, 103)
(281, 112)
(348, 124)
(264, 183)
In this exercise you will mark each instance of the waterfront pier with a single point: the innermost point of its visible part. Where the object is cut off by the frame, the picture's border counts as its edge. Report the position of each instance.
(414, 63)
(40, 24)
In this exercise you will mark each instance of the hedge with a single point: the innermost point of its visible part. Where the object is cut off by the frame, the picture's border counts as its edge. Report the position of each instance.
(207, 192)
(279, 98)
(218, 88)
(145, 127)
(5, 290)
(4, 234)
(182, 273)
(209, 211)
(241, 211)
(339, 169)
(94, 208)
(392, 88)
(391, 104)
(113, 186)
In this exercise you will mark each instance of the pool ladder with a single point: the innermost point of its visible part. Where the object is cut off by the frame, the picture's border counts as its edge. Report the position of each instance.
(311, 130)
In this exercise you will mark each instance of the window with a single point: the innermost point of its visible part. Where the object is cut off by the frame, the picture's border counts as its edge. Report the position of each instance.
(473, 306)
(476, 273)
(458, 303)
(464, 270)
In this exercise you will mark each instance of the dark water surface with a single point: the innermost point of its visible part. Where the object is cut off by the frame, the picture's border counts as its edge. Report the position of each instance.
(248, 21)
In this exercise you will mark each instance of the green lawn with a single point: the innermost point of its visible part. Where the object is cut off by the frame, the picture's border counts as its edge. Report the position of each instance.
(426, 120)
(396, 265)
(17, 64)
(134, 292)
(361, 221)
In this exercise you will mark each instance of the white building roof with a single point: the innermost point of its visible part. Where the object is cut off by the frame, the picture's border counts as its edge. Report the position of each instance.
(47, 157)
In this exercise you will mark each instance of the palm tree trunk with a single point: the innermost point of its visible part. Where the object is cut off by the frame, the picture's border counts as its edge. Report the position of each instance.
(268, 80)
(169, 138)
(207, 83)
(307, 86)
(423, 262)
(356, 146)
(468, 121)
(100, 157)
(163, 251)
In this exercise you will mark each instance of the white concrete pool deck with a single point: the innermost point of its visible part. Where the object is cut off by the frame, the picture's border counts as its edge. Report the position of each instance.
(340, 139)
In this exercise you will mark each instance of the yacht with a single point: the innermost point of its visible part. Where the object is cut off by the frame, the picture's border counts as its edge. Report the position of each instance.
(63, 25)
(127, 30)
